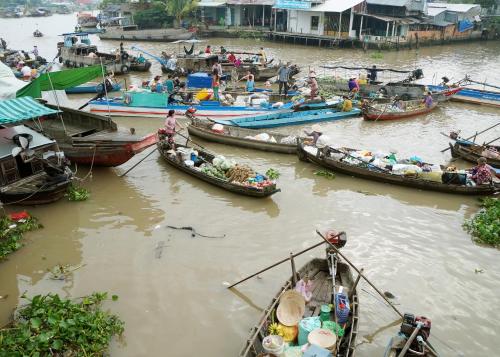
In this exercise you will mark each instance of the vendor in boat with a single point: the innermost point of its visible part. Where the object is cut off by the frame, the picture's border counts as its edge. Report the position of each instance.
(217, 67)
(141, 59)
(208, 50)
(155, 85)
(313, 85)
(170, 125)
(223, 51)
(215, 84)
(398, 103)
(481, 174)
(315, 133)
(250, 78)
(347, 104)
(26, 72)
(428, 101)
(353, 85)
(231, 58)
(169, 84)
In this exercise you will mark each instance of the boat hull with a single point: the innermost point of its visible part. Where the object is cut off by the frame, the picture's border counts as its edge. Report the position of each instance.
(209, 135)
(400, 180)
(228, 186)
(44, 196)
(160, 35)
(397, 116)
(475, 96)
(469, 154)
(94, 88)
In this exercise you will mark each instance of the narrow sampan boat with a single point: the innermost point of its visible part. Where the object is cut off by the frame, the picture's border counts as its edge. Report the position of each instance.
(204, 156)
(385, 111)
(242, 137)
(91, 87)
(320, 272)
(371, 172)
(470, 151)
(474, 96)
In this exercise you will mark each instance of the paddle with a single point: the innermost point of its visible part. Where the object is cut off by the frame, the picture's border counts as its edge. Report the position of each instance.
(360, 273)
(281, 262)
(137, 164)
(470, 137)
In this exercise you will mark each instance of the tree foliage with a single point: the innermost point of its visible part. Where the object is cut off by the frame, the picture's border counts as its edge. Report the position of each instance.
(180, 8)
(155, 17)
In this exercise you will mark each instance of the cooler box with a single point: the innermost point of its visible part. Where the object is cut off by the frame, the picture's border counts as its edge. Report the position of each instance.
(199, 80)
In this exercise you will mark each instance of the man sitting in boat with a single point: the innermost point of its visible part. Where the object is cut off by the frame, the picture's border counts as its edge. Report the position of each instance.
(347, 104)
(140, 59)
(481, 174)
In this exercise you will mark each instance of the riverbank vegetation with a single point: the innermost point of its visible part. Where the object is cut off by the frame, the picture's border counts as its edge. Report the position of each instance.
(51, 326)
(485, 225)
(12, 228)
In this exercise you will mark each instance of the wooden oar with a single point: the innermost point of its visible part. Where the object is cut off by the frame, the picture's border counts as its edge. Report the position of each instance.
(144, 158)
(360, 273)
(470, 137)
(280, 262)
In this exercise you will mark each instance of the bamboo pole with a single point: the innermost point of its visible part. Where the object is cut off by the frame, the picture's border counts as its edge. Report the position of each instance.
(278, 263)
(360, 273)
(470, 137)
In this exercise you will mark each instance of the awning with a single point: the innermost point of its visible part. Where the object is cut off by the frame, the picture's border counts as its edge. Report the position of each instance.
(292, 4)
(7, 144)
(19, 109)
(335, 5)
(60, 80)
(211, 3)
(399, 20)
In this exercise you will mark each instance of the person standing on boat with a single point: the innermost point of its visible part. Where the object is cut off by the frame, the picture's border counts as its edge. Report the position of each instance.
(263, 57)
(313, 85)
(372, 74)
(35, 51)
(353, 85)
(428, 101)
(250, 85)
(170, 125)
(217, 67)
(215, 84)
(283, 78)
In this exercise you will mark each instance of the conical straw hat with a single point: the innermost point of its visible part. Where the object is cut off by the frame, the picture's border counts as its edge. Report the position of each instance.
(291, 308)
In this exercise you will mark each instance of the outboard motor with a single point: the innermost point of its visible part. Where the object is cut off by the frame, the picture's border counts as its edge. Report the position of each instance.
(412, 339)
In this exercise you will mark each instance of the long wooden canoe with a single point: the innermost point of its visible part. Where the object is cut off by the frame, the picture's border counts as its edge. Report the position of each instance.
(382, 111)
(206, 156)
(472, 152)
(382, 175)
(239, 137)
(319, 271)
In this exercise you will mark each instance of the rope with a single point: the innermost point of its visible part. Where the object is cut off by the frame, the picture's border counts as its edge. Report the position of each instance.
(91, 166)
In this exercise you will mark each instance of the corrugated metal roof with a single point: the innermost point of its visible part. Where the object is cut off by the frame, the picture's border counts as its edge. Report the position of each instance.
(388, 2)
(19, 109)
(400, 20)
(335, 5)
(452, 7)
(434, 11)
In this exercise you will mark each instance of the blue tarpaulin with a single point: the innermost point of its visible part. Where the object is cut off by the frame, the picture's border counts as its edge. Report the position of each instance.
(19, 109)
(464, 25)
(199, 80)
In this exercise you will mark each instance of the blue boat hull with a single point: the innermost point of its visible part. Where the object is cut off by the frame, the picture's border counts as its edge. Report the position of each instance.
(95, 88)
(275, 120)
(475, 96)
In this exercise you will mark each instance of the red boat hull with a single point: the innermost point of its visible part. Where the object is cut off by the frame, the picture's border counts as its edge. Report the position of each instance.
(107, 154)
(397, 115)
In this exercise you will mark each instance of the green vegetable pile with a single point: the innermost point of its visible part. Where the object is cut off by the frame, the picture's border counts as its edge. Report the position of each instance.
(51, 326)
(11, 234)
(485, 225)
(213, 171)
(272, 174)
(77, 193)
(328, 174)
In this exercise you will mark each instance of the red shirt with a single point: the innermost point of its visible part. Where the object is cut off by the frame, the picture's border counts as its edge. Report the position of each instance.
(208, 50)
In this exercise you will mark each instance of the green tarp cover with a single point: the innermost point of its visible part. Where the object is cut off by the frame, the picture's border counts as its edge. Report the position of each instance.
(18, 109)
(60, 80)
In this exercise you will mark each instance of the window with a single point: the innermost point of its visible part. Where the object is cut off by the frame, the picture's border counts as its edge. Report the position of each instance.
(314, 22)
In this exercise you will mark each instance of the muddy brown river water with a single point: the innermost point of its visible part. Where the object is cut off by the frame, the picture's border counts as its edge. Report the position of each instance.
(171, 286)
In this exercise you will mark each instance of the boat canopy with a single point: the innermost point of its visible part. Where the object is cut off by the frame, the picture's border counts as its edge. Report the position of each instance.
(60, 80)
(7, 144)
(19, 109)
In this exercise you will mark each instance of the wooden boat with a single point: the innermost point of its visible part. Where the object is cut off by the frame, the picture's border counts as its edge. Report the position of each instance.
(470, 151)
(373, 173)
(413, 337)
(37, 33)
(239, 137)
(88, 138)
(76, 54)
(319, 271)
(386, 112)
(132, 33)
(284, 118)
(34, 175)
(474, 96)
(205, 156)
(91, 87)
(153, 105)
